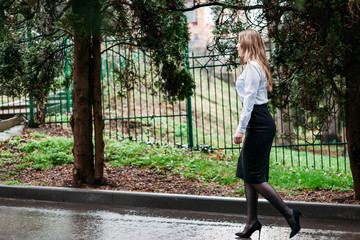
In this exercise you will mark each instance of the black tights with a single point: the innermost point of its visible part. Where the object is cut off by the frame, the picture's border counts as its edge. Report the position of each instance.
(252, 191)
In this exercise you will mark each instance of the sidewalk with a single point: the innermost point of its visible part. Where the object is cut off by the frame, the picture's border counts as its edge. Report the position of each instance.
(345, 212)
(45, 220)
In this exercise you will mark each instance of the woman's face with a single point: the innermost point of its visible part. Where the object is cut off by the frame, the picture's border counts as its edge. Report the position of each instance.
(238, 49)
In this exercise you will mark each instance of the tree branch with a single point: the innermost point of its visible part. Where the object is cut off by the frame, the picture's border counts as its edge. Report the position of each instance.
(9, 5)
(211, 4)
(45, 35)
(330, 78)
(118, 44)
(38, 68)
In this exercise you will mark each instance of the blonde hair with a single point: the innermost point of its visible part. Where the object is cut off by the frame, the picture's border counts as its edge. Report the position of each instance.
(253, 48)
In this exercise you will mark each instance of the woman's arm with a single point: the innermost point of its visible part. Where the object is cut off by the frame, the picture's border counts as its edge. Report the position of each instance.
(251, 87)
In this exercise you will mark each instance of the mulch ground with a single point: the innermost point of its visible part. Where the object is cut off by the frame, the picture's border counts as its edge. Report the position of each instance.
(151, 180)
(145, 179)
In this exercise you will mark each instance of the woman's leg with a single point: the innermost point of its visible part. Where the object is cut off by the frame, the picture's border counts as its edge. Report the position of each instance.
(268, 192)
(251, 205)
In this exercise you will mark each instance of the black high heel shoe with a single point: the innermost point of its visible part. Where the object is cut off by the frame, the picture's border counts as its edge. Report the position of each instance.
(248, 233)
(297, 227)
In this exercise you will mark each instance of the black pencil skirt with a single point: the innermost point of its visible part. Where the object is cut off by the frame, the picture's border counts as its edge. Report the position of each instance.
(253, 163)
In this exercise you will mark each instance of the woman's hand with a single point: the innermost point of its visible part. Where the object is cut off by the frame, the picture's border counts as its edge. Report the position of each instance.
(238, 138)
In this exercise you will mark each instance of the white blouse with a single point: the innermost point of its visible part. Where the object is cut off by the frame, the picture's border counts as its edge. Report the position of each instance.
(251, 87)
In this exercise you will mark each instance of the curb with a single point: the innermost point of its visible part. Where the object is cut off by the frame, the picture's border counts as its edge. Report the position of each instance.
(175, 201)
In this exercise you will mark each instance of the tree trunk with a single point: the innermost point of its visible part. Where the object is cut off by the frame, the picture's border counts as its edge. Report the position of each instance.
(352, 120)
(41, 108)
(352, 103)
(82, 118)
(329, 133)
(87, 93)
(284, 126)
(97, 108)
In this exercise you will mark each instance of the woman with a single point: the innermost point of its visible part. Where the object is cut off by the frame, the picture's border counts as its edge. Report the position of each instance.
(255, 119)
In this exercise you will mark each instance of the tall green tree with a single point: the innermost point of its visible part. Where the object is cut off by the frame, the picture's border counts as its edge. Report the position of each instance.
(33, 49)
(32, 53)
(318, 53)
(316, 58)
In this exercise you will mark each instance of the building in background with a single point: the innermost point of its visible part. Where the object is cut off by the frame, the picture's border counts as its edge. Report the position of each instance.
(200, 26)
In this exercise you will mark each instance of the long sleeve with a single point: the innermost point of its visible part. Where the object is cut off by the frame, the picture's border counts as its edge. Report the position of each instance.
(252, 78)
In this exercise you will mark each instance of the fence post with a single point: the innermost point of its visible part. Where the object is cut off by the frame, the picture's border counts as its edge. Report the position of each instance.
(31, 102)
(188, 108)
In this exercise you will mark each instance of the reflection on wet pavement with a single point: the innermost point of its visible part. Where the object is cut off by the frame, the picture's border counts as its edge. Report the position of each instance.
(46, 220)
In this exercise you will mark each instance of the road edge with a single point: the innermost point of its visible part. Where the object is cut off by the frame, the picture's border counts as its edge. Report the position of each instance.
(347, 212)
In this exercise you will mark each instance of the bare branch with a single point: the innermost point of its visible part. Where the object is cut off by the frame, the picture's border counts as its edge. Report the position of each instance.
(211, 4)
(118, 44)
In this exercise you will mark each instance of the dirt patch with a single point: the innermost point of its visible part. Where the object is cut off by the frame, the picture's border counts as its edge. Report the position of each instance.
(133, 178)
(128, 178)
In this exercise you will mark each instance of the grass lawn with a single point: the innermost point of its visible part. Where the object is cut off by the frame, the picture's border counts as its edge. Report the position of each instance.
(38, 151)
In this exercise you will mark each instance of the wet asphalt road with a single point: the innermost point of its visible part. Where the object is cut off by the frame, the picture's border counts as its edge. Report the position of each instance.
(24, 219)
